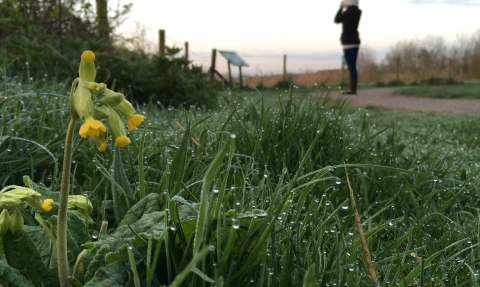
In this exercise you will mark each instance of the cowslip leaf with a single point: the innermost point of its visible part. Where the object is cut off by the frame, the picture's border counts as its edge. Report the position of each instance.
(110, 275)
(11, 277)
(22, 255)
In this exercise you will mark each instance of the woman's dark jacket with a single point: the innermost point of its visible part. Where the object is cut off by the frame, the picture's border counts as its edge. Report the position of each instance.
(349, 19)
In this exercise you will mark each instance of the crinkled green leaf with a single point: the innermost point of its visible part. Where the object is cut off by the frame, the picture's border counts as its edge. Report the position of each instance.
(11, 277)
(112, 275)
(45, 192)
(97, 262)
(22, 255)
(120, 254)
(148, 204)
(40, 240)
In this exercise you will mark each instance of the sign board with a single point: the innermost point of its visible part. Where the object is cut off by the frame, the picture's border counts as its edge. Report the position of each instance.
(233, 58)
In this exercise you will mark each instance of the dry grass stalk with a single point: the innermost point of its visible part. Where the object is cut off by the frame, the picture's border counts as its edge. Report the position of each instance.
(361, 234)
(193, 140)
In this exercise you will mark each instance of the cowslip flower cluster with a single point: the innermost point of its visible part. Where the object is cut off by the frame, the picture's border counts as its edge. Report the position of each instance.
(13, 199)
(84, 105)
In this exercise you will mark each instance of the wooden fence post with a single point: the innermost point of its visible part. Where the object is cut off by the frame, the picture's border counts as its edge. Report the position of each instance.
(186, 51)
(230, 75)
(342, 71)
(285, 68)
(240, 73)
(212, 67)
(161, 43)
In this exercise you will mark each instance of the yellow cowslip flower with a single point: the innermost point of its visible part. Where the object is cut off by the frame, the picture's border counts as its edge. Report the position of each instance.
(134, 120)
(128, 112)
(47, 204)
(122, 141)
(101, 142)
(18, 197)
(85, 106)
(91, 127)
(117, 128)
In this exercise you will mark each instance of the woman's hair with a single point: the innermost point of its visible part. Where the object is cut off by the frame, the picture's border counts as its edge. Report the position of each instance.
(350, 2)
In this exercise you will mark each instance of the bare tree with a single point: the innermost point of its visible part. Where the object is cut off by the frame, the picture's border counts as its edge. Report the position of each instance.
(367, 65)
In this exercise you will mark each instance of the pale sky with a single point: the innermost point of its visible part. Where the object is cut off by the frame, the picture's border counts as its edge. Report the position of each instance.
(262, 31)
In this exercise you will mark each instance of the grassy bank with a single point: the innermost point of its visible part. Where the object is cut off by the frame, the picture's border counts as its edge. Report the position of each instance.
(468, 90)
(255, 193)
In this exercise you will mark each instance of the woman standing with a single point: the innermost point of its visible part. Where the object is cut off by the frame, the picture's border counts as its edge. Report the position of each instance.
(349, 16)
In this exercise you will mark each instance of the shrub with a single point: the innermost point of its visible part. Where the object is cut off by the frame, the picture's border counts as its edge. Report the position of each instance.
(395, 83)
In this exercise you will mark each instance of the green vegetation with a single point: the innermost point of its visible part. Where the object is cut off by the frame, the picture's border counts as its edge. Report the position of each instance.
(42, 39)
(253, 193)
(470, 91)
(246, 189)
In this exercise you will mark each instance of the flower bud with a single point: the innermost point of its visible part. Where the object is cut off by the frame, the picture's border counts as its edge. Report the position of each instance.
(87, 70)
(81, 100)
(112, 98)
(16, 221)
(4, 222)
(14, 196)
(101, 112)
(79, 202)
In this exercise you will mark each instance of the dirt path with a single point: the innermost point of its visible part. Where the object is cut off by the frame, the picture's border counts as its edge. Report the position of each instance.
(384, 98)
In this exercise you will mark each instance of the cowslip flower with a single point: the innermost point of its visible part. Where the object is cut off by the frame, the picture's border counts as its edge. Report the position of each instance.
(14, 198)
(117, 128)
(91, 127)
(84, 105)
(128, 112)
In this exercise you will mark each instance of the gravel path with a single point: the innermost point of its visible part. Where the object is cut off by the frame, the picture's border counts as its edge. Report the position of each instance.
(384, 98)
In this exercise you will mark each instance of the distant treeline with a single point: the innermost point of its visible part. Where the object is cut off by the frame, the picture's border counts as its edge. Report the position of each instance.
(431, 57)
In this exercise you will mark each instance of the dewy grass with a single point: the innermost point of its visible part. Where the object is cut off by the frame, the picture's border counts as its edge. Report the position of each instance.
(277, 210)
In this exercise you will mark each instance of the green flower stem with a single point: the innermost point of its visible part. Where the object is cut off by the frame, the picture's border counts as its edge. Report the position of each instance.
(62, 259)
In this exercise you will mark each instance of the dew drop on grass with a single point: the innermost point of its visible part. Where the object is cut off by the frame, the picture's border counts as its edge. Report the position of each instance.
(215, 191)
(233, 136)
(235, 224)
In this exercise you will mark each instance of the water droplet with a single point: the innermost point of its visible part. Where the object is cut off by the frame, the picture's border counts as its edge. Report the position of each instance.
(233, 136)
(235, 224)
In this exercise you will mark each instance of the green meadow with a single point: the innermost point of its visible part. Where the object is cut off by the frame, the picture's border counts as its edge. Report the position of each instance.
(253, 192)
